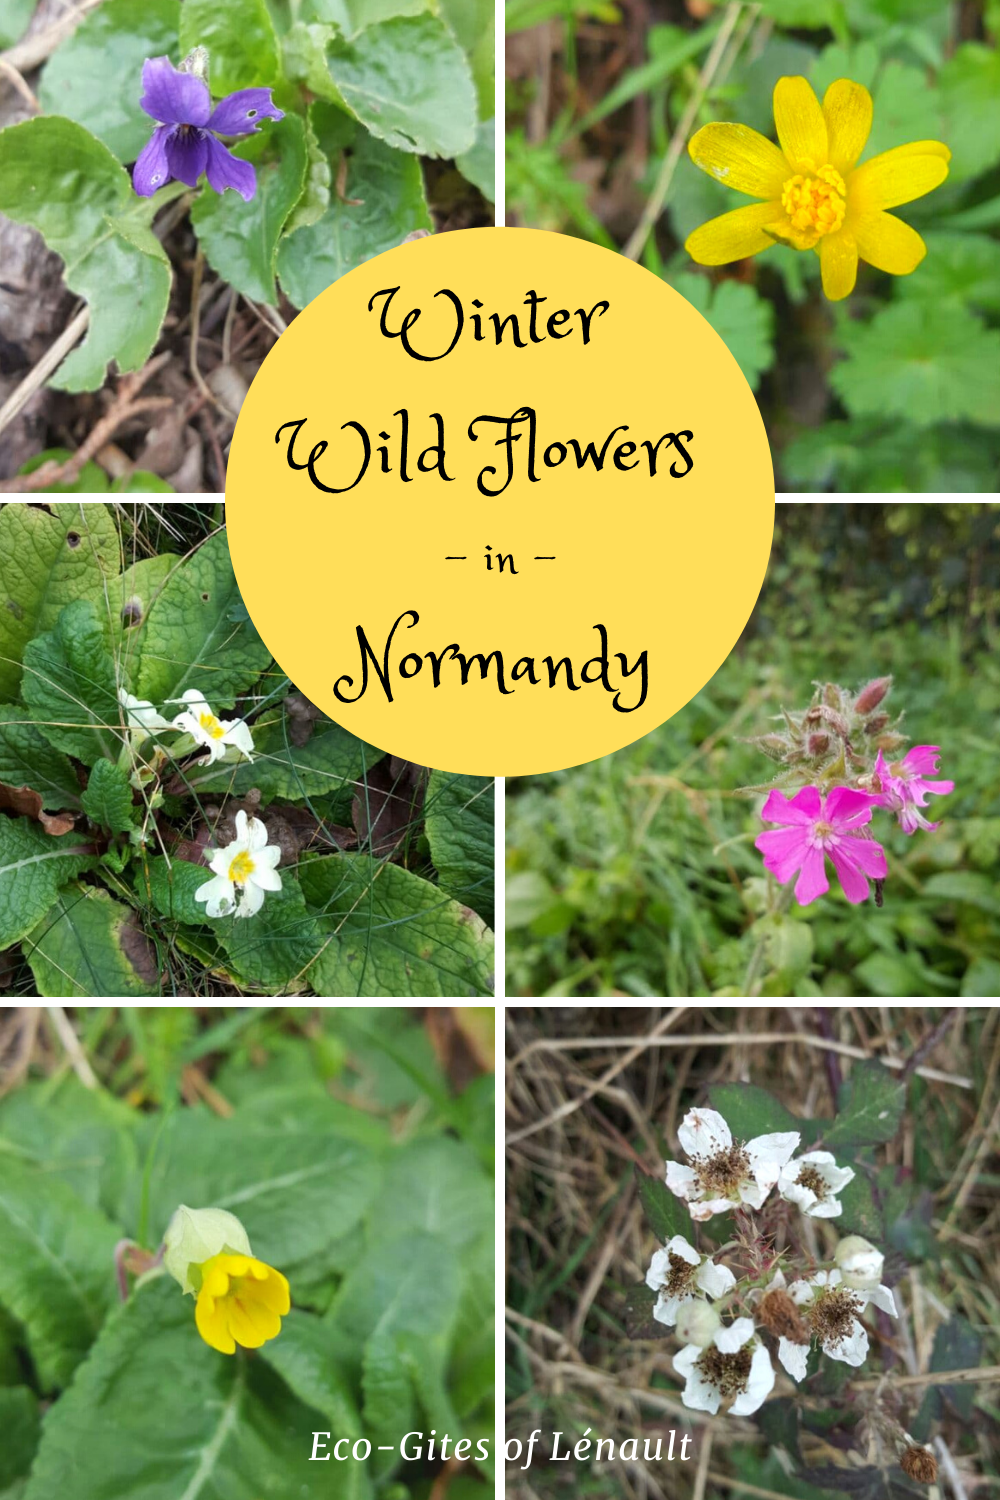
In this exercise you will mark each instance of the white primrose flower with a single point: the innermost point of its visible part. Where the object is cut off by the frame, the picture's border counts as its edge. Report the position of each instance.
(831, 1310)
(813, 1182)
(216, 735)
(725, 1173)
(140, 715)
(735, 1368)
(678, 1273)
(244, 870)
(859, 1263)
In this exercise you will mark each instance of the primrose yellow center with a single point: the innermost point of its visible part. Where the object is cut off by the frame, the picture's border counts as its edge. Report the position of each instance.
(815, 204)
(241, 868)
(211, 726)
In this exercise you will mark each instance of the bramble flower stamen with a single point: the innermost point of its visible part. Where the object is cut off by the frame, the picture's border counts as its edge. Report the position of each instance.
(724, 1172)
(679, 1274)
(813, 1182)
(734, 1369)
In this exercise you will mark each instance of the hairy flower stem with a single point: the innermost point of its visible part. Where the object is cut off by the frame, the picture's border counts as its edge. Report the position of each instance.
(779, 899)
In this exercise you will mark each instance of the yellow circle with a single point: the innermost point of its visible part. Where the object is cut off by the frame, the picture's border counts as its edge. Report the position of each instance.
(663, 546)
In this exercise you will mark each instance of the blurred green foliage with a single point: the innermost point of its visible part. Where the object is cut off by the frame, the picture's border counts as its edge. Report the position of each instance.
(895, 390)
(636, 874)
(360, 1165)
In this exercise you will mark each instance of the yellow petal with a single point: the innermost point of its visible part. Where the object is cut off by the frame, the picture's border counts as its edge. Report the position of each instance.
(740, 158)
(212, 1324)
(888, 244)
(847, 109)
(800, 124)
(838, 258)
(898, 176)
(733, 236)
(272, 1291)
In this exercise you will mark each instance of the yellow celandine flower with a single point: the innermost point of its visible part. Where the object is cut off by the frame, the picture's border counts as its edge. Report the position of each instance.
(241, 1301)
(815, 195)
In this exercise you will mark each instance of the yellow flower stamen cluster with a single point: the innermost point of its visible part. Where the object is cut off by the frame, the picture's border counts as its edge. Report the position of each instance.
(241, 868)
(211, 726)
(242, 1301)
(815, 205)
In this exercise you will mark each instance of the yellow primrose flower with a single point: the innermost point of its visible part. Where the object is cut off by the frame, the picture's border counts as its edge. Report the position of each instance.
(815, 195)
(241, 1301)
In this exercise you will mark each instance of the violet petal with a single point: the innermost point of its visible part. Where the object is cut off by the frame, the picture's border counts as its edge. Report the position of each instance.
(187, 155)
(152, 170)
(227, 171)
(241, 113)
(173, 97)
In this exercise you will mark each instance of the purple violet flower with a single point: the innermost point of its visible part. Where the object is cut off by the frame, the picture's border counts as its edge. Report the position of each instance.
(184, 143)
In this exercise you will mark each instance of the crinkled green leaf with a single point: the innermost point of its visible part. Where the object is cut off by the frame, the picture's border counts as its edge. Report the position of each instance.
(65, 182)
(191, 639)
(241, 239)
(870, 1106)
(82, 1136)
(408, 81)
(171, 885)
(331, 760)
(739, 315)
(225, 1429)
(27, 759)
(479, 164)
(396, 933)
(240, 39)
(304, 50)
(69, 685)
(437, 1186)
(927, 363)
(56, 1268)
(275, 947)
(459, 819)
(404, 1294)
(131, 597)
(20, 1425)
(969, 87)
(305, 1359)
(88, 945)
(95, 76)
(108, 798)
(33, 865)
(48, 558)
(315, 198)
(295, 1188)
(385, 203)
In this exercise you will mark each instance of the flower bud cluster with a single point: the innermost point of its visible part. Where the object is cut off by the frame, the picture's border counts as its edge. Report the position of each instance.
(735, 1317)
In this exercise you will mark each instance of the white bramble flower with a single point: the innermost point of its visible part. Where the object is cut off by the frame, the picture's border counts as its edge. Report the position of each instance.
(244, 870)
(725, 1173)
(140, 715)
(831, 1310)
(735, 1368)
(813, 1182)
(678, 1273)
(217, 735)
(859, 1263)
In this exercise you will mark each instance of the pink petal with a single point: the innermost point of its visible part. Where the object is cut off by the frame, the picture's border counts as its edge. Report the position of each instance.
(846, 808)
(866, 854)
(812, 882)
(783, 849)
(922, 760)
(803, 808)
(853, 882)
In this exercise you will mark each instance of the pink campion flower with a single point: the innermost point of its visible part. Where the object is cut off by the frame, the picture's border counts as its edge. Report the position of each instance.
(817, 826)
(904, 785)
